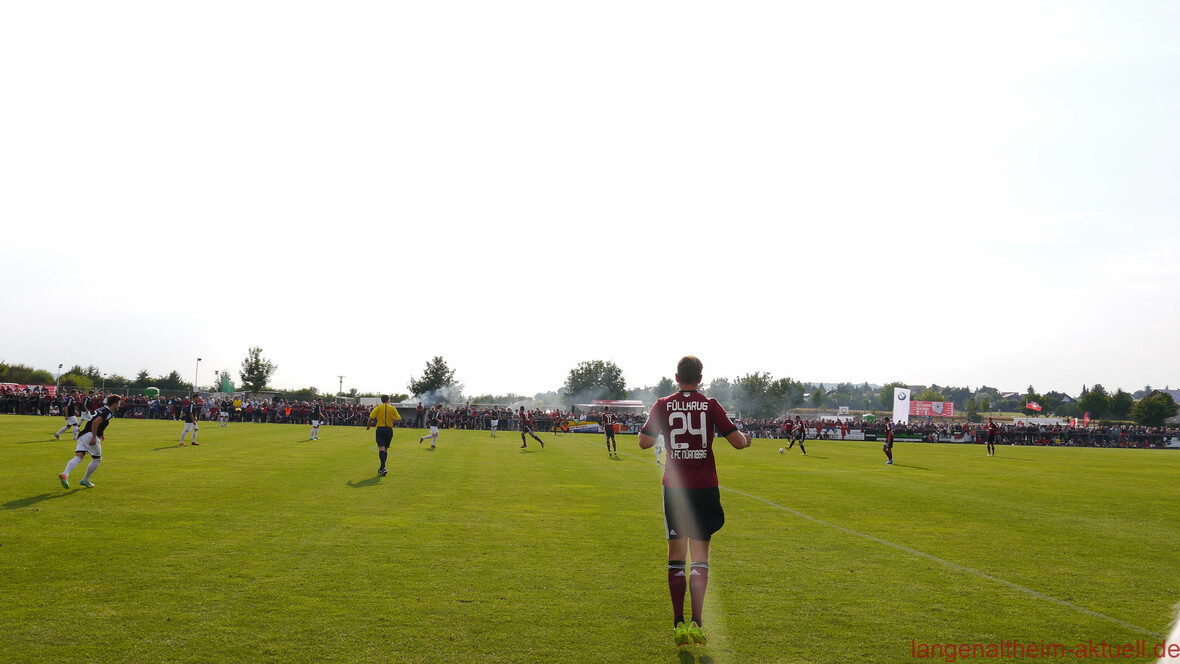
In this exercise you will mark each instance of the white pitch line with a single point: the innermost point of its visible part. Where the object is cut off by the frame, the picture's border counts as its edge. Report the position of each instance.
(955, 566)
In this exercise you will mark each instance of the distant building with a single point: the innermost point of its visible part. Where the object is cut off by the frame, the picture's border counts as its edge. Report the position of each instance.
(1175, 394)
(1175, 419)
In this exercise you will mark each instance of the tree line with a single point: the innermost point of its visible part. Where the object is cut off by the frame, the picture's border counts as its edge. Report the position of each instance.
(760, 395)
(255, 374)
(89, 377)
(756, 395)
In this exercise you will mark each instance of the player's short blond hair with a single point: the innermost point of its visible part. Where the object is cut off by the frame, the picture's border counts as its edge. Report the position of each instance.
(688, 369)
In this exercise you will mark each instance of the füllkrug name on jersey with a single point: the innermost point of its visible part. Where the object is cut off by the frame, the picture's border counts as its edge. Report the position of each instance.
(687, 405)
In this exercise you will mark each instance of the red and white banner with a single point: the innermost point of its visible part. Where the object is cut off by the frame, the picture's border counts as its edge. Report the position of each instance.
(1086, 419)
(1032, 405)
(932, 409)
(13, 387)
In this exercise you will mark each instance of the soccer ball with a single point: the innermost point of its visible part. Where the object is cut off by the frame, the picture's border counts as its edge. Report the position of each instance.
(781, 451)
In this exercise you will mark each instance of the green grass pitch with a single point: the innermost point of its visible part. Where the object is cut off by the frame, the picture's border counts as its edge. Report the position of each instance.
(262, 546)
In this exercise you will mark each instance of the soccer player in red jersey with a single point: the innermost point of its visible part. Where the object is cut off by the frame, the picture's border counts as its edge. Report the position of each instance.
(993, 430)
(887, 448)
(692, 501)
(526, 426)
(608, 425)
(798, 434)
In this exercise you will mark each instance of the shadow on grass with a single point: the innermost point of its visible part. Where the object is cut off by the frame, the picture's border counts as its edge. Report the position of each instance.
(686, 657)
(169, 447)
(25, 502)
(813, 456)
(526, 451)
(372, 481)
(48, 440)
(906, 465)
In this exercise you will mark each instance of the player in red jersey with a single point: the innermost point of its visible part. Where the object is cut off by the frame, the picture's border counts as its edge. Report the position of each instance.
(799, 434)
(887, 448)
(526, 426)
(692, 501)
(993, 431)
(608, 425)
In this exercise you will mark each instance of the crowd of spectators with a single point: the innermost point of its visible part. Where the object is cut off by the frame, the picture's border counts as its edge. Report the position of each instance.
(26, 401)
(480, 417)
(626, 420)
(274, 411)
(1092, 436)
(1010, 433)
(42, 401)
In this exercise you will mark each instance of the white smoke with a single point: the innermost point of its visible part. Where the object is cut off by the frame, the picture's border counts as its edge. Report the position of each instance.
(529, 404)
(586, 396)
(448, 394)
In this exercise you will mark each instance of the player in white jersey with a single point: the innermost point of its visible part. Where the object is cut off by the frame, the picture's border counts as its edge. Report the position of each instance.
(70, 411)
(190, 412)
(89, 403)
(433, 420)
(90, 442)
(317, 418)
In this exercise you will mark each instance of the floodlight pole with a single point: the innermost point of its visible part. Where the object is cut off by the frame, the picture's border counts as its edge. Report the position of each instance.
(57, 381)
(341, 390)
(195, 372)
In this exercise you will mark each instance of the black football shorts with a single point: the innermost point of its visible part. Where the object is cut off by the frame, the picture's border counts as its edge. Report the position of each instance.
(692, 513)
(384, 436)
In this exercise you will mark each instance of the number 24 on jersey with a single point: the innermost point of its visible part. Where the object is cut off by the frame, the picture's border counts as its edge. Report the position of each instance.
(685, 426)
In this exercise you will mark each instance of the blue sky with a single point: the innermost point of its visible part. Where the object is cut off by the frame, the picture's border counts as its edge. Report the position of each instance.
(926, 192)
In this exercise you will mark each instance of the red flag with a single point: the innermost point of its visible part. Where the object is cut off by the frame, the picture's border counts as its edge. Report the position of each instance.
(1032, 405)
(1086, 419)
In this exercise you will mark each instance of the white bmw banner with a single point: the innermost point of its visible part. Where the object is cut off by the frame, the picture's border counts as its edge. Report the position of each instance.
(901, 404)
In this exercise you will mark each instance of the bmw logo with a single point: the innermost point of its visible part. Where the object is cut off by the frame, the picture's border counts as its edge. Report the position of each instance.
(901, 396)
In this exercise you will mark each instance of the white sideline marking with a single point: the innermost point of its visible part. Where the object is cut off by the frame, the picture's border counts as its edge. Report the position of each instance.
(958, 567)
(955, 566)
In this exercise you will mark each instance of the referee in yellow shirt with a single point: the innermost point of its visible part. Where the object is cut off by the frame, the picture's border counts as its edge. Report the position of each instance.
(383, 417)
